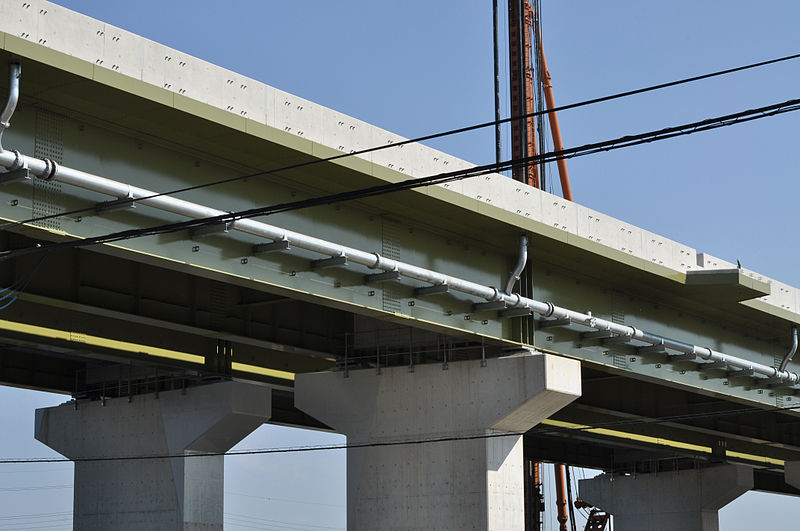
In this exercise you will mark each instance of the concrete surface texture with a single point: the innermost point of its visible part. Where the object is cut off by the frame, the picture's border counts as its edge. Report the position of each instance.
(688, 499)
(472, 477)
(178, 493)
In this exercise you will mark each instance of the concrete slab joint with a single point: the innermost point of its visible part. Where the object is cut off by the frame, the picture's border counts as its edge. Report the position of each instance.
(460, 465)
(184, 493)
(688, 499)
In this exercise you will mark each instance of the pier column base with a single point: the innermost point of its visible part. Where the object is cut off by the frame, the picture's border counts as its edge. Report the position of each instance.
(460, 463)
(688, 499)
(153, 493)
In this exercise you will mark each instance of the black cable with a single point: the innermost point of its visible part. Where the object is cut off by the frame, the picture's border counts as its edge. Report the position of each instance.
(570, 502)
(441, 178)
(428, 137)
(9, 294)
(412, 442)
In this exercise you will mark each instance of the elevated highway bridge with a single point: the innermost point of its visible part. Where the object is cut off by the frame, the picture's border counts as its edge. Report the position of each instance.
(231, 317)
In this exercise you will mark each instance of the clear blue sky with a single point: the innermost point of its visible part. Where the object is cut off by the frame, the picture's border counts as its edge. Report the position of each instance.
(416, 67)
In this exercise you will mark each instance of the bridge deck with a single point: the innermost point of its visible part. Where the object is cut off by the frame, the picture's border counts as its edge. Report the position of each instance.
(102, 100)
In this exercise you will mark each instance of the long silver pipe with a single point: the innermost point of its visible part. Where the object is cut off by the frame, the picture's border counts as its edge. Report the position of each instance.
(15, 70)
(48, 170)
(523, 259)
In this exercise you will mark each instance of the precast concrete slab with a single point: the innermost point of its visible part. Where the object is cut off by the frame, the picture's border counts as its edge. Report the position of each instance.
(148, 490)
(688, 500)
(439, 447)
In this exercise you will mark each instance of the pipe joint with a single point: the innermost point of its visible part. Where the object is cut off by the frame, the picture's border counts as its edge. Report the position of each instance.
(497, 295)
(19, 163)
(709, 353)
(378, 261)
(50, 168)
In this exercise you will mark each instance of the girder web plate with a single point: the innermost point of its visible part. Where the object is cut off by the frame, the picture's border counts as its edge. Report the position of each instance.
(288, 271)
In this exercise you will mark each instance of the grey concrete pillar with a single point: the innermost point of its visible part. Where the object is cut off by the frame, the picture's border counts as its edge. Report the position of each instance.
(183, 493)
(791, 473)
(460, 483)
(688, 500)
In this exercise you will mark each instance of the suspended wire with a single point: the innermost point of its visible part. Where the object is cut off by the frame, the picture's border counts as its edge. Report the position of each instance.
(441, 178)
(407, 442)
(284, 500)
(36, 515)
(40, 487)
(536, 113)
(9, 294)
(276, 523)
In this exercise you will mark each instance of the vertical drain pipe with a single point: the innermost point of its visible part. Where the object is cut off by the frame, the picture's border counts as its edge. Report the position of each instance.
(523, 259)
(788, 357)
(15, 70)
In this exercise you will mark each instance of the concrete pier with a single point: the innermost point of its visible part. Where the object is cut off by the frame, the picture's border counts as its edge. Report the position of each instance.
(462, 466)
(688, 500)
(791, 473)
(159, 493)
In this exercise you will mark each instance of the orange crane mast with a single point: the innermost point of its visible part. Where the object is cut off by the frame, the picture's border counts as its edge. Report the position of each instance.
(528, 71)
(529, 78)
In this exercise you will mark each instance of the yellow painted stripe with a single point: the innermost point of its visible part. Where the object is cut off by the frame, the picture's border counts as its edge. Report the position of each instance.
(264, 371)
(630, 436)
(97, 341)
(758, 458)
(661, 442)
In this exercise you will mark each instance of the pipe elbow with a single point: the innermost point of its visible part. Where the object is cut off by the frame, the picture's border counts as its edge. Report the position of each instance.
(521, 262)
(792, 350)
(15, 71)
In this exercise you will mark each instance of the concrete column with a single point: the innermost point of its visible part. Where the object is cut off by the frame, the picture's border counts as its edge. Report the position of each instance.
(460, 482)
(791, 473)
(688, 499)
(182, 493)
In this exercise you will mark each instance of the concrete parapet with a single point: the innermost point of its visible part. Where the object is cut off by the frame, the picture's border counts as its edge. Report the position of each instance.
(688, 500)
(156, 493)
(461, 464)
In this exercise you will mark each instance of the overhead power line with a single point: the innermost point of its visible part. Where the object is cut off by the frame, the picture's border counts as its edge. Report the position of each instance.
(432, 136)
(408, 442)
(441, 178)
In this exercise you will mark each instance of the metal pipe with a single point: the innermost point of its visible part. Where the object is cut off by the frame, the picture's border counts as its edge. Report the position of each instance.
(523, 259)
(558, 145)
(495, 39)
(14, 71)
(561, 497)
(788, 357)
(48, 170)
